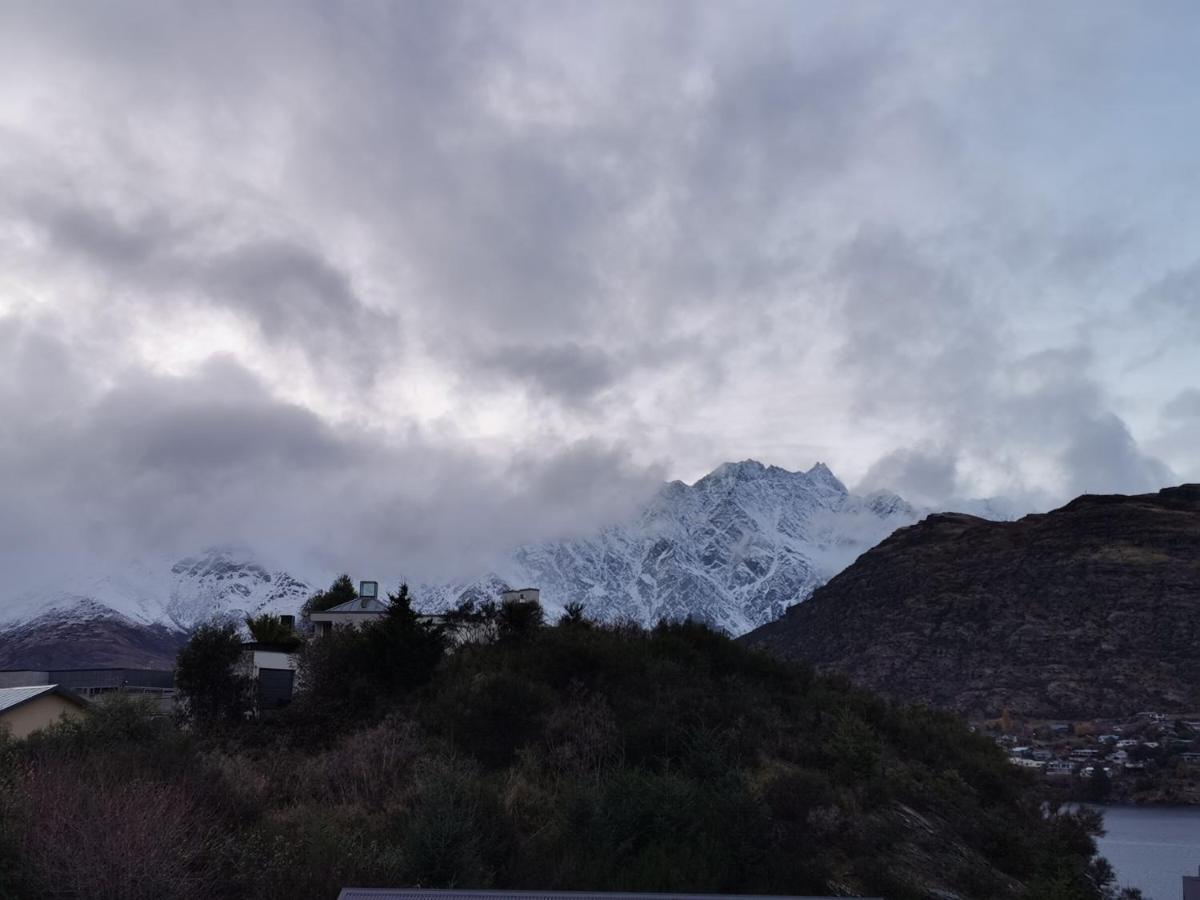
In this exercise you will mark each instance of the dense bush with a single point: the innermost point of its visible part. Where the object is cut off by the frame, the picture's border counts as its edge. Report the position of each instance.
(571, 757)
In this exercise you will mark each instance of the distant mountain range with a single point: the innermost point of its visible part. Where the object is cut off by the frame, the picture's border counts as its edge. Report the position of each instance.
(1092, 609)
(735, 549)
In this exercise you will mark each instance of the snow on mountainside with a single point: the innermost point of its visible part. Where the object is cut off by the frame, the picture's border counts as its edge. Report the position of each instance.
(735, 549)
(221, 583)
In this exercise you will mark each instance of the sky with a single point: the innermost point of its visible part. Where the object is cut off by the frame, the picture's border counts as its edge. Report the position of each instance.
(414, 281)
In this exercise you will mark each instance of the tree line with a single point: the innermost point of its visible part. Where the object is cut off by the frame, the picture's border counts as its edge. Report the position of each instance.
(497, 750)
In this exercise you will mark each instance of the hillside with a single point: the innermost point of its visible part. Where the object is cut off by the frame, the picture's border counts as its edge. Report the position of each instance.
(572, 757)
(1091, 609)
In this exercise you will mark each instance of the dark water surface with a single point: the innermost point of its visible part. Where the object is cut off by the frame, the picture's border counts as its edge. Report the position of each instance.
(1152, 847)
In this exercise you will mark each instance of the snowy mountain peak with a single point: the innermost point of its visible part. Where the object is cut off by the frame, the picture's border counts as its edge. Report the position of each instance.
(820, 474)
(734, 549)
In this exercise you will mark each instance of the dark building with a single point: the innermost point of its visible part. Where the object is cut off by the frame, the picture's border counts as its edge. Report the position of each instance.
(91, 683)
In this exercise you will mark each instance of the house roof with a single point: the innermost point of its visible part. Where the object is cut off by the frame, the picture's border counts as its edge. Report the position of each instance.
(425, 894)
(361, 605)
(12, 697)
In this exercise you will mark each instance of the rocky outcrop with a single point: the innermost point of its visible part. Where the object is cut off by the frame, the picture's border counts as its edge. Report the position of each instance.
(1091, 609)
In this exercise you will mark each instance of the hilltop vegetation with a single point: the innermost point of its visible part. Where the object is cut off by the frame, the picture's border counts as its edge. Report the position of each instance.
(571, 757)
(1087, 611)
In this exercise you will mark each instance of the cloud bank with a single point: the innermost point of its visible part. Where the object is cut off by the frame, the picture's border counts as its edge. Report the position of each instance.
(402, 285)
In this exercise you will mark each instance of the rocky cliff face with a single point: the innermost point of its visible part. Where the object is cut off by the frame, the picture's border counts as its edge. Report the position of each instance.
(1091, 609)
(733, 550)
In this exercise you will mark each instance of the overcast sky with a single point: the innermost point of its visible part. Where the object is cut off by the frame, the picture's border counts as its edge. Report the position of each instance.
(371, 280)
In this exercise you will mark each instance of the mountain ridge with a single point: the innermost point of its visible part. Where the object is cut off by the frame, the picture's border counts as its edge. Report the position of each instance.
(734, 549)
(1090, 609)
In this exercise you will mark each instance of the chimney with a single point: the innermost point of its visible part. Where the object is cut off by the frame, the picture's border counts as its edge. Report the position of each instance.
(367, 591)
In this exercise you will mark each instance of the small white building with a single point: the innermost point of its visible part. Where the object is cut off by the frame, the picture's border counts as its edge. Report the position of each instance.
(522, 595)
(351, 614)
(367, 607)
(271, 669)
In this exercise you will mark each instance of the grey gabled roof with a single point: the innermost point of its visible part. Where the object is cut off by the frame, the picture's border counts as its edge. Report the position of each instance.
(370, 605)
(428, 894)
(11, 698)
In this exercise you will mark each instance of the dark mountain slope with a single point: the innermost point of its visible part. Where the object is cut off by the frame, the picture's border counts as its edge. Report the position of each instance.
(102, 639)
(1091, 609)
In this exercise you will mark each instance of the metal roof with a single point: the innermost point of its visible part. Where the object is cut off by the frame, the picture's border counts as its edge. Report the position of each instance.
(361, 605)
(12, 697)
(426, 894)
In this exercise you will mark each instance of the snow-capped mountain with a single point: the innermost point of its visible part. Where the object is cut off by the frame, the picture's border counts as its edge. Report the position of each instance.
(221, 583)
(735, 549)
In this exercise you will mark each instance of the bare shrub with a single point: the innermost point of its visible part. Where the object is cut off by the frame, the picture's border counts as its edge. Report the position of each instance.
(93, 834)
(370, 768)
(582, 736)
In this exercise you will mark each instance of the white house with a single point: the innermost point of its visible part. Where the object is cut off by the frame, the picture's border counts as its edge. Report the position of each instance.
(523, 595)
(367, 607)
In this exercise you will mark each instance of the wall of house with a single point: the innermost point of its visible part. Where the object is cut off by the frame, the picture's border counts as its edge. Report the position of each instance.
(343, 620)
(38, 713)
(270, 659)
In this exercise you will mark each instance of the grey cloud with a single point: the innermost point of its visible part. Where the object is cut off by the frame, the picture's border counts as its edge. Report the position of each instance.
(925, 477)
(1102, 457)
(685, 227)
(567, 371)
(920, 344)
(914, 333)
(162, 464)
(1179, 435)
(290, 292)
(1184, 405)
(1178, 290)
(293, 294)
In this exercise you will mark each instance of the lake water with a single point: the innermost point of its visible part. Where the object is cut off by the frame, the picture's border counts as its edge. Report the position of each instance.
(1152, 848)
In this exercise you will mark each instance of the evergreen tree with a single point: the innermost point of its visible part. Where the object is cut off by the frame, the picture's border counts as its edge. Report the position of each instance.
(573, 616)
(341, 591)
(211, 688)
(269, 629)
(358, 669)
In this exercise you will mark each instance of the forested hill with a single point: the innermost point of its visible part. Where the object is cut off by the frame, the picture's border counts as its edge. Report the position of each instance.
(1091, 609)
(568, 757)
